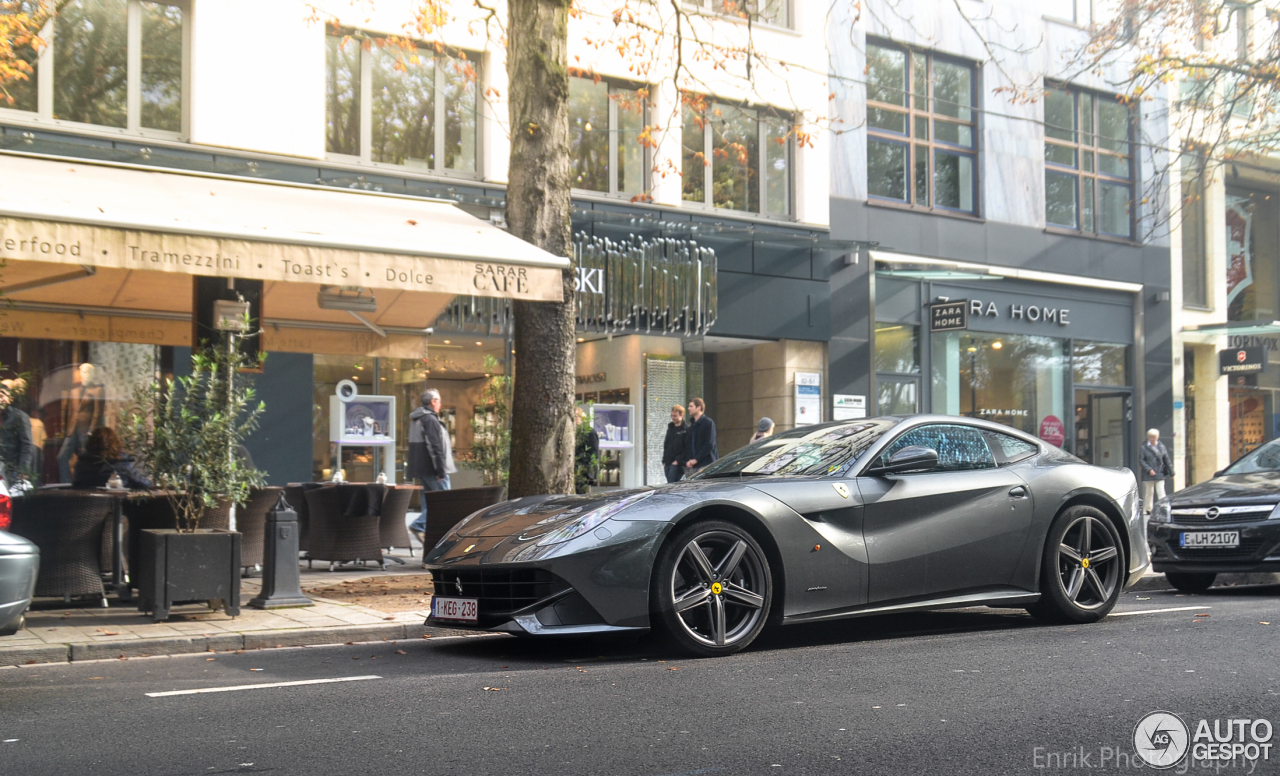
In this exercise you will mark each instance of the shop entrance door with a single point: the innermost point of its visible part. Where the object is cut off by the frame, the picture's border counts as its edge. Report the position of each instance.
(1103, 427)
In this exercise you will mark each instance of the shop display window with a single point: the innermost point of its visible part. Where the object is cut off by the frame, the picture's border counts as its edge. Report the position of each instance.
(1100, 363)
(1017, 380)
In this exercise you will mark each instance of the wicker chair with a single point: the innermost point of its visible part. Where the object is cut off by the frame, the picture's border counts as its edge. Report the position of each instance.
(67, 526)
(391, 527)
(294, 493)
(447, 508)
(337, 535)
(251, 522)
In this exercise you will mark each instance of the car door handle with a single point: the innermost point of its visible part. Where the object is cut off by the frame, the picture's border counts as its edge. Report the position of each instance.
(1018, 492)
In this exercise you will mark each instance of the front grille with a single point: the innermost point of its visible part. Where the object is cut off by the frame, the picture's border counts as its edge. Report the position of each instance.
(498, 591)
(1247, 549)
(1247, 517)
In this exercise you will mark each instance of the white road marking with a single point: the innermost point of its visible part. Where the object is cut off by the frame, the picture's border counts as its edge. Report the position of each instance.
(259, 686)
(1160, 611)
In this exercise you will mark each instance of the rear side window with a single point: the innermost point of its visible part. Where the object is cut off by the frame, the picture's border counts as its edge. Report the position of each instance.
(1009, 449)
(959, 448)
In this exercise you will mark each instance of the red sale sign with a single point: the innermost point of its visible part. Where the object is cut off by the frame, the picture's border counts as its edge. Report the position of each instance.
(1051, 430)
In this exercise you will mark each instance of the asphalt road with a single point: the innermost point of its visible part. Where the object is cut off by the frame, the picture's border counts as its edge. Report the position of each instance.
(972, 691)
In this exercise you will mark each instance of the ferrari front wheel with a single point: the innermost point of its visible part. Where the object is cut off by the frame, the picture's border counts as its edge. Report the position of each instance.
(1083, 569)
(712, 589)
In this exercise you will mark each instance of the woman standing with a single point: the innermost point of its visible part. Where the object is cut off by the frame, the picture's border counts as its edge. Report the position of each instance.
(675, 447)
(763, 429)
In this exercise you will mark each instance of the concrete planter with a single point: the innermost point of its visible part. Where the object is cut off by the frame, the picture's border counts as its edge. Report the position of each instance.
(176, 568)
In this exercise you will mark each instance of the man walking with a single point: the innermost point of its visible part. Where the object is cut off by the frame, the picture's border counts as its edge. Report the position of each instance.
(702, 437)
(1157, 466)
(430, 456)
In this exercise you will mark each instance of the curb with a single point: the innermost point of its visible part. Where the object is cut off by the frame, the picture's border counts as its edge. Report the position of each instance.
(223, 642)
(1157, 581)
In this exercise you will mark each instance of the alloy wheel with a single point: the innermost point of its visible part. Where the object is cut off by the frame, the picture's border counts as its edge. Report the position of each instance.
(718, 588)
(1088, 563)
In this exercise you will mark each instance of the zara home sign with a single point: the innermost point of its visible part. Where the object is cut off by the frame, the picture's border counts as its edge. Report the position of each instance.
(1032, 313)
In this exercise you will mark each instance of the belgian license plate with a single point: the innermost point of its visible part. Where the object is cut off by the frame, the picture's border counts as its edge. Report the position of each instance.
(1210, 539)
(463, 609)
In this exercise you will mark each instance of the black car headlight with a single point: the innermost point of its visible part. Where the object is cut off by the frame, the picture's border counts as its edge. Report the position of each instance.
(1160, 512)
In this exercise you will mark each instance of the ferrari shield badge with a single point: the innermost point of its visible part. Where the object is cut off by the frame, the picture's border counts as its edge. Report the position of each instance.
(841, 488)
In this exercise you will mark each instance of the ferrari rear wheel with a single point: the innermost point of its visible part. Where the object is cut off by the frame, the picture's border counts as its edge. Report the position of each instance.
(712, 589)
(1083, 569)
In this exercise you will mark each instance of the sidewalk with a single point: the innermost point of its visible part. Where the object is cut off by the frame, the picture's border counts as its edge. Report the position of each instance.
(59, 635)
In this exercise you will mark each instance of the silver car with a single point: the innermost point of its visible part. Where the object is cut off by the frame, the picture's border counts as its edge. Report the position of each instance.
(843, 519)
(19, 565)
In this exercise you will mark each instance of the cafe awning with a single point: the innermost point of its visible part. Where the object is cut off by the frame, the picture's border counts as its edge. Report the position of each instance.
(117, 217)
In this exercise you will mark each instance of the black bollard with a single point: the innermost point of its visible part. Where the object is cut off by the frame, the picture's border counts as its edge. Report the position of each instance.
(281, 579)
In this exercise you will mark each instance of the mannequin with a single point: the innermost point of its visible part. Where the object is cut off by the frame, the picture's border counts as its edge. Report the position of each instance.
(82, 411)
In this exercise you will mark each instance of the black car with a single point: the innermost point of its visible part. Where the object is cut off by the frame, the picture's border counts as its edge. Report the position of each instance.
(1230, 524)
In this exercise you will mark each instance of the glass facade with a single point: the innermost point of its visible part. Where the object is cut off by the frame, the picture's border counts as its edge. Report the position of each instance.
(736, 157)
(422, 109)
(94, 44)
(921, 129)
(605, 126)
(1088, 176)
(1017, 380)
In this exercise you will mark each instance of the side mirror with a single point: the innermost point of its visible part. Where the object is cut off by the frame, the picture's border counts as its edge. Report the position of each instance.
(908, 459)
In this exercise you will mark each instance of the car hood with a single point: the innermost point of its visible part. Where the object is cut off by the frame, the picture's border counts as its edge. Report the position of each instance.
(537, 515)
(1252, 488)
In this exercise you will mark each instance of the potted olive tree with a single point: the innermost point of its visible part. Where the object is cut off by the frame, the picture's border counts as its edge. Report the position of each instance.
(186, 432)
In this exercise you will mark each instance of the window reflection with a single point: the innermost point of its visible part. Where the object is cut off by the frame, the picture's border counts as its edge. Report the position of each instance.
(1017, 380)
(161, 66)
(91, 52)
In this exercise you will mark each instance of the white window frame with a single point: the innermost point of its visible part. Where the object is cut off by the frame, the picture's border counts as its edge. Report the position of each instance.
(614, 146)
(762, 139)
(438, 121)
(46, 72)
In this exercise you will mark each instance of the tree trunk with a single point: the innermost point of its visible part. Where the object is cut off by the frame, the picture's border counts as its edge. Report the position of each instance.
(542, 417)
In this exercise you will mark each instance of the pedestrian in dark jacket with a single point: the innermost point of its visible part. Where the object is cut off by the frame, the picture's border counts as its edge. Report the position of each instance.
(1157, 466)
(430, 459)
(17, 452)
(103, 456)
(675, 447)
(702, 437)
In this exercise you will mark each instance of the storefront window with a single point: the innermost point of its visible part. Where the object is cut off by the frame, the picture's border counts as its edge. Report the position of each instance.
(1253, 255)
(1100, 363)
(69, 389)
(897, 348)
(1017, 380)
(897, 369)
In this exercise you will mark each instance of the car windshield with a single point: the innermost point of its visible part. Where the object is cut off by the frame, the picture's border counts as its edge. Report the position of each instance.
(826, 450)
(1263, 459)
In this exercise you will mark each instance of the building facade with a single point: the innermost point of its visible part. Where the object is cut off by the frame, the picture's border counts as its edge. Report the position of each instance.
(1004, 182)
(700, 214)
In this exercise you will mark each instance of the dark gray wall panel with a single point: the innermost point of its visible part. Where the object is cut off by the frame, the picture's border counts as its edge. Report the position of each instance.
(772, 308)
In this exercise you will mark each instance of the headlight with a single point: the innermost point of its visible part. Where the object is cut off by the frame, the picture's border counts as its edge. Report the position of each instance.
(589, 520)
(1275, 513)
(1160, 513)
